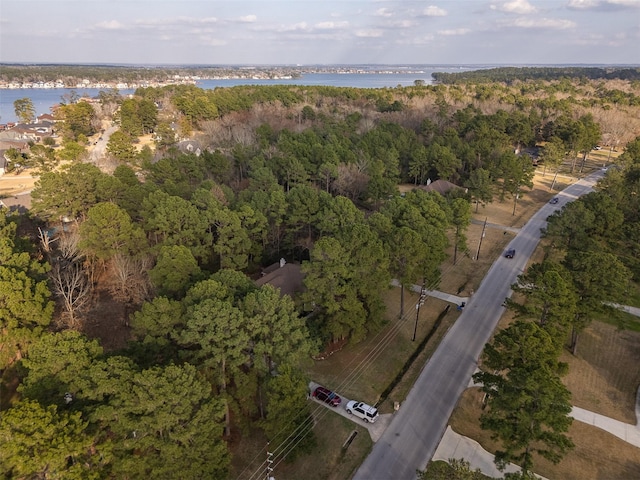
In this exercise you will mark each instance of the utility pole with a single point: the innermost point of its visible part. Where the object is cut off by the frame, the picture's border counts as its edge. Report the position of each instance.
(269, 462)
(423, 297)
(481, 237)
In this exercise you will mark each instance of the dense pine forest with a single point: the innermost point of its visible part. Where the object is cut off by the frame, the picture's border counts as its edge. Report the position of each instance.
(164, 240)
(512, 74)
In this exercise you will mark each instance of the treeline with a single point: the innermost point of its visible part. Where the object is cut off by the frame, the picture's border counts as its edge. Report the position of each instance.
(72, 74)
(511, 74)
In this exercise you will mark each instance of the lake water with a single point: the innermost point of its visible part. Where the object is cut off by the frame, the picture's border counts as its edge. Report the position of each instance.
(44, 99)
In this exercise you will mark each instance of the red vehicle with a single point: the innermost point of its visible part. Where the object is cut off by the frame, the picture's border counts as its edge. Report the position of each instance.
(327, 396)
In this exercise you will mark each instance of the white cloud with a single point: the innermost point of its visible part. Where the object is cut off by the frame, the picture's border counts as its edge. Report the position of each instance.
(433, 11)
(248, 19)
(213, 42)
(110, 25)
(602, 4)
(383, 12)
(454, 32)
(582, 4)
(332, 25)
(372, 33)
(296, 27)
(402, 24)
(541, 23)
(519, 7)
(177, 22)
(423, 40)
(624, 3)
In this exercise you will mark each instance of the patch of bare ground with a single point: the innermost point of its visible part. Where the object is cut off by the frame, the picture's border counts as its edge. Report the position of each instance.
(14, 183)
(107, 320)
(145, 141)
(597, 455)
(529, 201)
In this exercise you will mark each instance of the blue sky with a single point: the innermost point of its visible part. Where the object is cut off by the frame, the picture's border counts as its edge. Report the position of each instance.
(320, 31)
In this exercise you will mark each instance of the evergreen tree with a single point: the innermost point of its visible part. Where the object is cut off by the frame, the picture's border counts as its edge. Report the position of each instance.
(528, 406)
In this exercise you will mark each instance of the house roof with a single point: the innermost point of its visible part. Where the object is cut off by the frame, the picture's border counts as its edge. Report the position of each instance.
(287, 278)
(20, 145)
(18, 203)
(46, 117)
(440, 186)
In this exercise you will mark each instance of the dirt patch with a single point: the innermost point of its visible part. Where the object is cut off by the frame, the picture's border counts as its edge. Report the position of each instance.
(107, 320)
(336, 462)
(15, 183)
(145, 141)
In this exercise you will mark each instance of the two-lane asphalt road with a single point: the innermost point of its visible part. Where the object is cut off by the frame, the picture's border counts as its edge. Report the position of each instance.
(416, 429)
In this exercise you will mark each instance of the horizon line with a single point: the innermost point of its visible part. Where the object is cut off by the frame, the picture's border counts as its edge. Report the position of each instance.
(298, 65)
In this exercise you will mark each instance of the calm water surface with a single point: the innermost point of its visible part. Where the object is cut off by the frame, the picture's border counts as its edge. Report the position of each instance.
(44, 99)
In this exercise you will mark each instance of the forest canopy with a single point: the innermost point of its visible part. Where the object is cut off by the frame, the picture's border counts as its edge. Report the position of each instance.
(511, 74)
(173, 237)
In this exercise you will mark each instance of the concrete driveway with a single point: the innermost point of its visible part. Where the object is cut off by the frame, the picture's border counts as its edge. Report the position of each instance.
(375, 429)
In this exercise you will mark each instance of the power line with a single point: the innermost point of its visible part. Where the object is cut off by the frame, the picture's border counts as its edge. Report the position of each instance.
(288, 444)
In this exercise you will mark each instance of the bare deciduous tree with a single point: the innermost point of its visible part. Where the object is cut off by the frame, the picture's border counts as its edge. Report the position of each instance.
(351, 181)
(214, 134)
(243, 135)
(130, 282)
(71, 284)
(68, 246)
(46, 241)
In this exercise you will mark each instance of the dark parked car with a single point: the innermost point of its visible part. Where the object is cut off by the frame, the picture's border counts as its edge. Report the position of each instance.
(327, 396)
(510, 253)
(554, 200)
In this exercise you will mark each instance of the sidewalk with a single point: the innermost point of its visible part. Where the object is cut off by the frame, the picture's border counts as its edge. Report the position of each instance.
(635, 311)
(454, 445)
(496, 226)
(624, 431)
(447, 297)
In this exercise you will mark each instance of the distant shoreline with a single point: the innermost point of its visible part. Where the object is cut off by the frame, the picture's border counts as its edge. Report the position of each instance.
(192, 80)
(15, 77)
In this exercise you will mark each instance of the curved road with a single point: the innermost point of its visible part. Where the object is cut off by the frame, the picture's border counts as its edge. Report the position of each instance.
(412, 437)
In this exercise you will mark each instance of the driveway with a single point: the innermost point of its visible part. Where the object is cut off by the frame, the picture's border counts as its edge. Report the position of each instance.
(99, 150)
(415, 431)
(375, 429)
